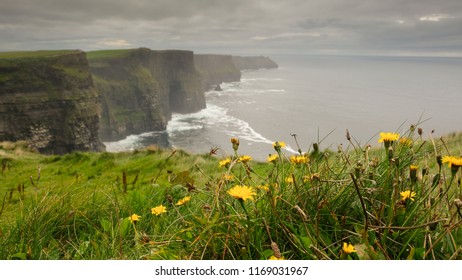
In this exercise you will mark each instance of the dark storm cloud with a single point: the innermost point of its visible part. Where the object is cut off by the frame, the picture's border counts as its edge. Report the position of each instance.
(353, 26)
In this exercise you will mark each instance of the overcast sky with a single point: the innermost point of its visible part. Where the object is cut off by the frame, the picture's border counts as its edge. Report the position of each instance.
(249, 27)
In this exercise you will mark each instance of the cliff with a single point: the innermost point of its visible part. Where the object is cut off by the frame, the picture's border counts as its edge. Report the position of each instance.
(61, 102)
(140, 88)
(253, 62)
(215, 69)
(48, 99)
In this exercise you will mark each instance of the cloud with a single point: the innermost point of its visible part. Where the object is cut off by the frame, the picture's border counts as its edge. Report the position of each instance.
(287, 36)
(434, 17)
(114, 43)
(233, 25)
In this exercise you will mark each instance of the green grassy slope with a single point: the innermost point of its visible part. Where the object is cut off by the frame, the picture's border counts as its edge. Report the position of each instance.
(394, 203)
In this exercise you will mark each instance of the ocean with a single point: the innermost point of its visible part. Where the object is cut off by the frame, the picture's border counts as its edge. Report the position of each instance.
(317, 98)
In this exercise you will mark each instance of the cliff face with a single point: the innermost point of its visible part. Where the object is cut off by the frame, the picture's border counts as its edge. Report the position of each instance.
(48, 99)
(140, 88)
(253, 62)
(60, 102)
(215, 69)
(178, 70)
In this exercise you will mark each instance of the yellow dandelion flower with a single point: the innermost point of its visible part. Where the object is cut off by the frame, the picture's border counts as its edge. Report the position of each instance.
(457, 162)
(183, 200)
(299, 159)
(227, 177)
(407, 195)
(406, 141)
(224, 162)
(274, 258)
(447, 159)
(245, 158)
(280, 144)
(452, 161)
(290, 180)
(263, 188)
(311, 178)
(134, 218)
(348, 248)
(388, 137)
(413, 167)
(273, 158)
(159, 210)
(242, 192)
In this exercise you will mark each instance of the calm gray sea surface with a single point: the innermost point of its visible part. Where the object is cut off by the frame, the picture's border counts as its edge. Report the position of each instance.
(317, 98)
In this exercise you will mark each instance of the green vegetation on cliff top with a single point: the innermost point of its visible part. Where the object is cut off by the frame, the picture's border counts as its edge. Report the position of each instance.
(399, 201)
(35, 54)
(104, 54)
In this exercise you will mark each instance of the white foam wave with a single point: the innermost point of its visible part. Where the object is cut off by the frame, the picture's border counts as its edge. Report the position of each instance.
(243, 130)
(130, 142)
(245, 80)
(199, 120)
(230, 85)
(218, 118)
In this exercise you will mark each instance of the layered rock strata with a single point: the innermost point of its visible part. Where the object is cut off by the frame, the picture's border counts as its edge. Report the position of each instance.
(141, 88)
(48, 99)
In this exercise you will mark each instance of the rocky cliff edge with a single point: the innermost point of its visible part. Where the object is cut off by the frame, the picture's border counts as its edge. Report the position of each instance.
(48, 99)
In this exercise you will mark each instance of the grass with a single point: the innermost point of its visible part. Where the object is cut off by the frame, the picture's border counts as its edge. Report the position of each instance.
(399, 201)
(35, 54)
(104, 54)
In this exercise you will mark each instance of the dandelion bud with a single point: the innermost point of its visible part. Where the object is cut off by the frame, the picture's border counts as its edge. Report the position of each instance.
(348, 135)
(420, 131)
(436, 180)
(316, 147)
(235, 143)
(169, 198)
(390, 152)
(413, 173)
(276, 251)
(424, 171)
(358, 169)
(278, 145)
(439, 160)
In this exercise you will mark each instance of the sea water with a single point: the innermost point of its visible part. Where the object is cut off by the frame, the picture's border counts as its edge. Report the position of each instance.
(315, 99)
